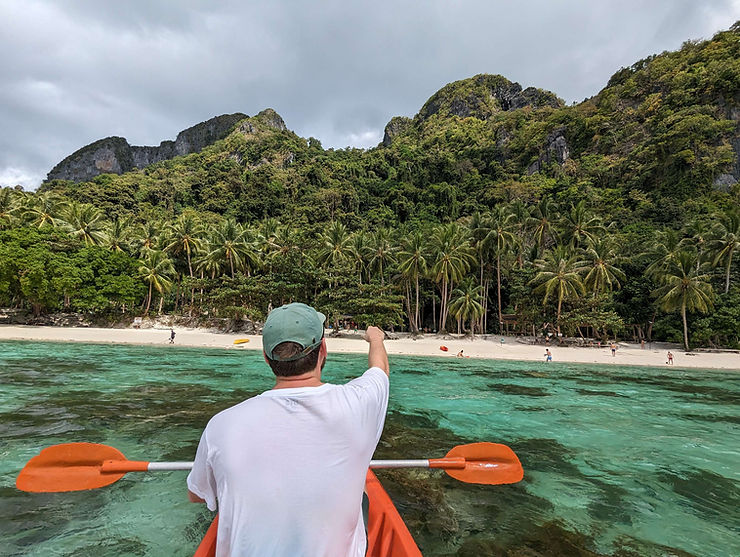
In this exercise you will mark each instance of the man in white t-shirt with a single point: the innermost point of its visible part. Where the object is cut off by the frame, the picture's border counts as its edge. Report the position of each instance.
(287, 468)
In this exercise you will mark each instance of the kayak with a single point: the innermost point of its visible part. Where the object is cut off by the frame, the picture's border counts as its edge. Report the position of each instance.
(241, 340)
(387, 535)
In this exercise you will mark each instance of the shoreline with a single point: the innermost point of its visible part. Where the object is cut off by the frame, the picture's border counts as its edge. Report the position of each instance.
(489, 347)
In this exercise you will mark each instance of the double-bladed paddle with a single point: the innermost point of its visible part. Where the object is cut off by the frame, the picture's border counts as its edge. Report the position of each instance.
(81, 466)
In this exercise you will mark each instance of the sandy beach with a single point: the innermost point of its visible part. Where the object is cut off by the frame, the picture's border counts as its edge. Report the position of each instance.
(429, 345)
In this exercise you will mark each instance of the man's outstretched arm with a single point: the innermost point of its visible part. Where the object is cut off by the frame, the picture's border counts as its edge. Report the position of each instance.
(377, 356)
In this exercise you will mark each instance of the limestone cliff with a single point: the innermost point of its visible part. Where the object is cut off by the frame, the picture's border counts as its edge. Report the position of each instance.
(482, 96)
(115, 155)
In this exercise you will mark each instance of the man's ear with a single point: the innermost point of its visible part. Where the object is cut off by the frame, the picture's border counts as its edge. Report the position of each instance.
(323, 350)
(264, 355)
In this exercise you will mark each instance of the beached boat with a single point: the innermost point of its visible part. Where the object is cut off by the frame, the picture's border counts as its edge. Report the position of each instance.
(387, 535)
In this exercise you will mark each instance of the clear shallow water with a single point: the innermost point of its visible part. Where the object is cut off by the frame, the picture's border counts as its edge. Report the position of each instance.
(618, 460)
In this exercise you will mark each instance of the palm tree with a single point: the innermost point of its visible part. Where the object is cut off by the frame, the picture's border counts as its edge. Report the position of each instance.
(519, 221)
(251, 260)
(358, 252)
(698, 234)
(118, 234)
(477, 233)
(150, 237)
(579, 226)
(661, 251)
(725, 240)
(685, 287)
(601, 273)
(412, 265)
(466, 304)
(498, 227)
(381, 253)
(185, 236)
(229, 245)
(42, 209)
(84, 222)
(208, 261)
(8, 206)
(268, 229)
(335, 242)
(281, 242)
(157, 270)
(452, 257)
(542, 222)
(559, 273)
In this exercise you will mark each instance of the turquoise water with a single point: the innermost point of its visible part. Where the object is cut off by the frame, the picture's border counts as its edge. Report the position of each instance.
(618, 460)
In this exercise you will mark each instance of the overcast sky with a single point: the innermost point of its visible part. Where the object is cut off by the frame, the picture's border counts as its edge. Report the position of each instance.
(72, 71)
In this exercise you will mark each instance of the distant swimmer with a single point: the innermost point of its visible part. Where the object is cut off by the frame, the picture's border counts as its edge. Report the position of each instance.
(548, 355)
(461, 355)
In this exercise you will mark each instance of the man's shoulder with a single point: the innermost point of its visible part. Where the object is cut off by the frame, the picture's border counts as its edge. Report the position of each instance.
(227, 414)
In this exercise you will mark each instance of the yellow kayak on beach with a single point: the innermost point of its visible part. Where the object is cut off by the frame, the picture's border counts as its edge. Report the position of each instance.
(241, 340)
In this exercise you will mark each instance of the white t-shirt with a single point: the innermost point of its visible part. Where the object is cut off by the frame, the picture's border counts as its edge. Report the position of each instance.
(288, 469)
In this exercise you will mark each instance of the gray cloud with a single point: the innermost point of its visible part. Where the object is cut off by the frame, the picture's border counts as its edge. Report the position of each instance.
(75, 71)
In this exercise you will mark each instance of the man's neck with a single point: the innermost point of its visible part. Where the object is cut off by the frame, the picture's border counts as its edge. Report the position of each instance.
(310, 379)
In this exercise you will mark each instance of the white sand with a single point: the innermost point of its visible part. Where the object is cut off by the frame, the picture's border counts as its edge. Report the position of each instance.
(429, 345)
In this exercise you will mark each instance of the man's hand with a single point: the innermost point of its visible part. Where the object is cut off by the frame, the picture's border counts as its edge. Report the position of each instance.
(374, 334)
(377, 356)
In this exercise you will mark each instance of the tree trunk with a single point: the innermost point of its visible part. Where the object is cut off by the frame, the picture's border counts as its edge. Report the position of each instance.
(498, 286)
(481, 283)
(443, 309)
(416, 314)
(161, 301)
(560, 302)
(192, 289)
(727, 278)
(148, 299)
(650, 328)
(484, 328)
(685, 327)
(408, 306)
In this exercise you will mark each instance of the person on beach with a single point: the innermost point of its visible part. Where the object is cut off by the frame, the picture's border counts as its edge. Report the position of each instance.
(287, 468)
(548, 355)
(172, 335)
(670, 358)
(614, 349)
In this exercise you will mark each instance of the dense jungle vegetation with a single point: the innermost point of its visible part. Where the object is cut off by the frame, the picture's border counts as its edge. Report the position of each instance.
(606, 218)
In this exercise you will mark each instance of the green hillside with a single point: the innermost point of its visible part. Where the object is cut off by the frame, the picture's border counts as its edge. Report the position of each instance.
(587, 216)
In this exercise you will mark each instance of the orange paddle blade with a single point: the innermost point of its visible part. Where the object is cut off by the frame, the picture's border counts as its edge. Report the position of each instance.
(485, 463)
(69, 467)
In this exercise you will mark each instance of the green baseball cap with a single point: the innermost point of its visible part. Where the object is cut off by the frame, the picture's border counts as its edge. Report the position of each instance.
(294, 322)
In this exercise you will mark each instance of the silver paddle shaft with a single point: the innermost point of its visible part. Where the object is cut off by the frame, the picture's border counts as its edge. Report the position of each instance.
(160, 466)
